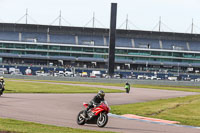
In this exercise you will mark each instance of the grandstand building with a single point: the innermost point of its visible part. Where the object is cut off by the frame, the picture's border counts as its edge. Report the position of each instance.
(88, 47)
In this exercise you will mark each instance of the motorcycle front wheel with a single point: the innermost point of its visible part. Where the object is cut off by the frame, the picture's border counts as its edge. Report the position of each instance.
(80, 120)
(102, 120)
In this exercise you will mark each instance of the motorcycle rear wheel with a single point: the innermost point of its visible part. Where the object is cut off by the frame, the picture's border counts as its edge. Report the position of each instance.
(80, 120)
(102, 121)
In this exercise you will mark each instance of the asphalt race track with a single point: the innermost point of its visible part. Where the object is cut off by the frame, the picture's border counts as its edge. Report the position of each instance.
(62, 109)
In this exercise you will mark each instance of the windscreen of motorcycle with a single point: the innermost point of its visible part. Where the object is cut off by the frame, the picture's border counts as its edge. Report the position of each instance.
(107, 104)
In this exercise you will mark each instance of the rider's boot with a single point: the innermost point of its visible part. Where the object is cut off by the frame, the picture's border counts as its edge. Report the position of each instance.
(85, 114)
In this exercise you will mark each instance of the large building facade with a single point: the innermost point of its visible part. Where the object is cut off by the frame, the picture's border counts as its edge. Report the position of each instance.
(88, 47)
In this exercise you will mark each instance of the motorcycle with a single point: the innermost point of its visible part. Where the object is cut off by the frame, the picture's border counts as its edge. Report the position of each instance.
(97, 115)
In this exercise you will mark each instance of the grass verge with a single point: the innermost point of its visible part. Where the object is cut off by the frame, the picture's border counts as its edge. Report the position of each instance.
(186, 110)
(28, 87)
(163, 87)
(16, 126)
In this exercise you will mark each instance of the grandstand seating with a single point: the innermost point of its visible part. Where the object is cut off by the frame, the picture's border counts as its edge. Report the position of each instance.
(99, 40)
(32, 56)
(124, 60)
(195, 64)
(168, 63)
(174, 45)
(184, 64)
(147, 43)
(63, 58)
(90, 40)
(194, 46)
(123, 42)
(7, 54)
(140, 62)
(47, 57)
(147, 62)
(67, 39)
(34, 37)
(176, 64)
(9, 36)
(91, 59)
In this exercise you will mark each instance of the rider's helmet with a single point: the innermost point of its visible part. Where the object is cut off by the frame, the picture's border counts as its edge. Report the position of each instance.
(1, 78)
(101, 94)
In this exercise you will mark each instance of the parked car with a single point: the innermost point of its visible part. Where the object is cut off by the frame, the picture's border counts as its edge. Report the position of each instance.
(96, 74)
(172, 78)
(61, 73)
(142, 77)
(84, 74)
(68, 74)
(3, 71)
(153, 77)
(197, 80)
(41, 73)
(116, 76)
(16, 73)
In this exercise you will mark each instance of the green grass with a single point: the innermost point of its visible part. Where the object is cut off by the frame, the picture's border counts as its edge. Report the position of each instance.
(73, 82)
(168, 87)
(186, 110)
(30, 127)
(29, 87)
(163, 87)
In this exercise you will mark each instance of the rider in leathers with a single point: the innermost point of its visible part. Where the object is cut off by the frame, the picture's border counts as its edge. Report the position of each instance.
(95, 101)
(3, 85)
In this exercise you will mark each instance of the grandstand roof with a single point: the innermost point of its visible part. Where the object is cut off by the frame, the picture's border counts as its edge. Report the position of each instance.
(96, 31)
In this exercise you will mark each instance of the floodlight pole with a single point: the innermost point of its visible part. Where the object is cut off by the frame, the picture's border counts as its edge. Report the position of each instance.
(60, 17)
(192, 27)
(93, 19)
(127, 22)
(159, 23)
(26, 15)
(112, 33)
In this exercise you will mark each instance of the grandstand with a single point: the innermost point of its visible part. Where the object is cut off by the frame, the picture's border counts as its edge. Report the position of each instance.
(80, 46)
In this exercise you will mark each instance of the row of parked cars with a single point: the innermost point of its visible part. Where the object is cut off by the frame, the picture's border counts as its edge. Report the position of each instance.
(171, 78)
(54, 73)
(148, 77)
(28, 71)
(11, 70)
(94, 74)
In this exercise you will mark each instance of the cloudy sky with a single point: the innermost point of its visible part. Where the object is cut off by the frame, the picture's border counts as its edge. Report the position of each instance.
(176, 15)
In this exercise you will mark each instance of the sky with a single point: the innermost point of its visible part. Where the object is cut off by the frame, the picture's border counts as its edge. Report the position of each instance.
(176, 15)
